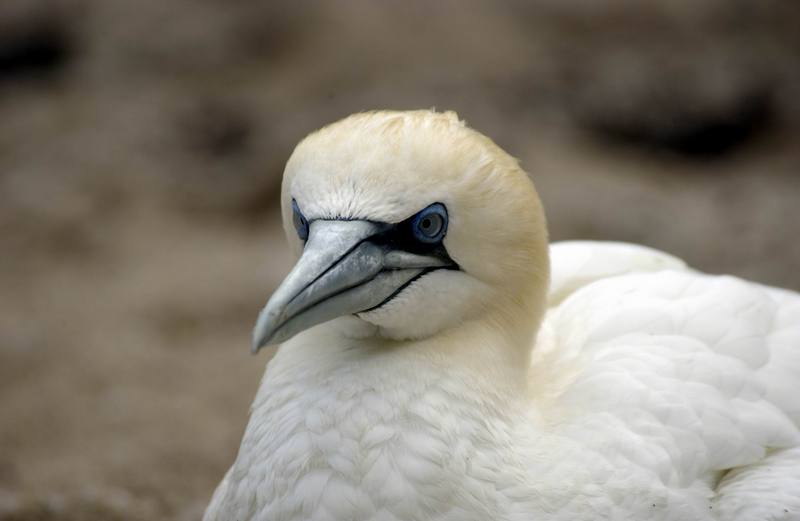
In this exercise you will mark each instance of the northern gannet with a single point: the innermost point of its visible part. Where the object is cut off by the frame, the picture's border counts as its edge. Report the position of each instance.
(433, 368)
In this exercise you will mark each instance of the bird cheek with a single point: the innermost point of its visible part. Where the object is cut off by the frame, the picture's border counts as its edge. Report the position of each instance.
(435, 302)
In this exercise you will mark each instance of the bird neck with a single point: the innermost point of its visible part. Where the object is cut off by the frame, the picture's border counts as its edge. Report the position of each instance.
(495, 349)
(328, 400)
(490, 354)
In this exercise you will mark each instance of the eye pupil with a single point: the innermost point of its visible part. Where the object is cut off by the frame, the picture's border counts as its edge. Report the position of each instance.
(430, 225)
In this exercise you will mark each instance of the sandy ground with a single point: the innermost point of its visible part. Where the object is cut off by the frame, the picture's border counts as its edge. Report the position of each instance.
(141, 148)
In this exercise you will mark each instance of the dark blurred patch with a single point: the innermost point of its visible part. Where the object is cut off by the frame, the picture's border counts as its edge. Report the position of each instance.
(63, 239)
(216, 129)
(691, 131)
(271, 31)
(243, 190)
(38, 50)
(265, 195)
(236, 165)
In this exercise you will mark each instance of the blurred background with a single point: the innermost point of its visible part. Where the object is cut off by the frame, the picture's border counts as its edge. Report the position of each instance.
(142, 144)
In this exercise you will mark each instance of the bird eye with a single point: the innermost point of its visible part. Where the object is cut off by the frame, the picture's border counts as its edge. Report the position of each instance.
(430, 225)
(299, 221)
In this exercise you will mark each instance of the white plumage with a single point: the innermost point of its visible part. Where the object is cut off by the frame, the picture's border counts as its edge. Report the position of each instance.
(651, 391)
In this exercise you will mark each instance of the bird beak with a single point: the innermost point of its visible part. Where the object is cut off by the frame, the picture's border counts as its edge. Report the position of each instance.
(340, 272)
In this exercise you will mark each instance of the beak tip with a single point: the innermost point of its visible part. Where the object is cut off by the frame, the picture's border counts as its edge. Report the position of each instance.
(259, 341)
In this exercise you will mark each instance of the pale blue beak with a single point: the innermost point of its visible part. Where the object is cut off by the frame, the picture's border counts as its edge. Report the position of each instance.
(341, 272)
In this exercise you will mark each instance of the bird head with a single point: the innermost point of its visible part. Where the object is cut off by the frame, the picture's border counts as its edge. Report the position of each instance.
(413, 223)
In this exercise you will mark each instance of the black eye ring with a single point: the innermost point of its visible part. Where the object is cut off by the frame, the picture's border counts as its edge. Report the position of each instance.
(299, 221)
(430, 225)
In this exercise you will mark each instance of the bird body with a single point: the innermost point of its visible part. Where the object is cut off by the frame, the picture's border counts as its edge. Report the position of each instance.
(627, 388)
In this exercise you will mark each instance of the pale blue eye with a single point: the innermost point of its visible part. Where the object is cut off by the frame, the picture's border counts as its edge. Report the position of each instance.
(299, 221)
(430, 225)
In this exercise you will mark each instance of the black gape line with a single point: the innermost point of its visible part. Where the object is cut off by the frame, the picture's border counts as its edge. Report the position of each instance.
(404, 286)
